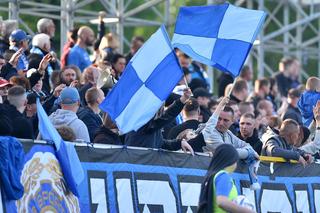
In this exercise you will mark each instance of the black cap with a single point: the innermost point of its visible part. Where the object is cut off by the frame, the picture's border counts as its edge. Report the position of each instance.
(201, 92)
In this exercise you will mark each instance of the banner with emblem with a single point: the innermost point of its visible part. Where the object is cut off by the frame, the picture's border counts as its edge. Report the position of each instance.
(121, 179)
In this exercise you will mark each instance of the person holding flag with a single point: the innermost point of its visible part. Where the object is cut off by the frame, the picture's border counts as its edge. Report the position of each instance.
(134, 102)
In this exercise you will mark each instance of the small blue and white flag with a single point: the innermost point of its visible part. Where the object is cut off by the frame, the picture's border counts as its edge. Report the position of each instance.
(145, 84)
(218, 35)
(65, 152)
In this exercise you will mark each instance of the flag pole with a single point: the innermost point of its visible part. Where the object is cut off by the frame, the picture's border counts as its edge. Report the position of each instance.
(186, 82)
(229, 92)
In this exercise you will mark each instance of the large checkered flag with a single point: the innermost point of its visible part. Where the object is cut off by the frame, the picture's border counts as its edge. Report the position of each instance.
(218, 35)
(145, 84)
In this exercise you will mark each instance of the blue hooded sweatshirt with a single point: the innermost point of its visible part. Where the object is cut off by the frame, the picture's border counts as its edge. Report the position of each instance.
(306, 103)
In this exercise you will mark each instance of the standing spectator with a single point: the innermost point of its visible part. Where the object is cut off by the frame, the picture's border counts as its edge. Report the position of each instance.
(41, 46)
(247, 75)
(108, 133)
(31, 112)
(90, 114)
(203, 98)
(287, 78)
(282, 145)
(240, 91)
(46, 26)
(150, 134)
(72, 39)
(70, 75)
(19, 39)
(9, 68)
(293, 111)
(17, 98)
(246, 107)
(191, 113)
(136, 43)
(109, 44)
(249, 133)
(4, 87)
(224, 80)
(309, 99)
(78, 55)
(118, 62)
(217, 132)
(90, 77)
(234, 128)
(261, 91)
(70, 102)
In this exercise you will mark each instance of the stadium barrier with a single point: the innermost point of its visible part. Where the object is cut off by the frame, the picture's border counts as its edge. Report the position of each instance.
(128, 179)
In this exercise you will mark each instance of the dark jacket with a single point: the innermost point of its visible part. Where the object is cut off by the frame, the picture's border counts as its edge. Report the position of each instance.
(276, 146)
(82, 93)
(293, 113)
(7, 71)
(92, 120)
(190, 124)
(106, 136)
(21, 126)
(284, 83)
(205, 113)
(254, 141)
(150, 134)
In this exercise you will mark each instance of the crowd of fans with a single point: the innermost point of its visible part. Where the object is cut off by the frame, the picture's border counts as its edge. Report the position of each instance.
(275, 116)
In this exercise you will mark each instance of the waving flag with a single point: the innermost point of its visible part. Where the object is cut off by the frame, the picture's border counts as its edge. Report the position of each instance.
(145, 84)
(65, 152)
(218, 35)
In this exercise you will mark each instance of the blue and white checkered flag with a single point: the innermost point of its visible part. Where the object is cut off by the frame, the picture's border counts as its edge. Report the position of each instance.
(218, 35)
(145, 84)
(65, 152)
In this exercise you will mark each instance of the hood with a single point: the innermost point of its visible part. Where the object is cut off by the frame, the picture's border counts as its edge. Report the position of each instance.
(63, 117)
(306, 103)
(270, 133)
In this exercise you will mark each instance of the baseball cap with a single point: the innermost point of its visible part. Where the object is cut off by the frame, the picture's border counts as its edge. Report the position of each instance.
(19, 35)
(4, 82)
(69, 95)
(201, 92)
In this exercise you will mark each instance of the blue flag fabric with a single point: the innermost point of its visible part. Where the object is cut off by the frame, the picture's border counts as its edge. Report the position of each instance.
(145, 84)
(218, 35)
(65, 152)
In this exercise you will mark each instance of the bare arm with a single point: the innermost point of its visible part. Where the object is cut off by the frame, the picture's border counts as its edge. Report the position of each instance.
(229, 206)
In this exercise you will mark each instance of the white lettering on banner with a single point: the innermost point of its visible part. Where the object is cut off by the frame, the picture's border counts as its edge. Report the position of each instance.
(317, 200)
(302, 201)
(250, 196)
(156, 193)
(279, 200)
(190, 194)
(124, 196)
(98, 194)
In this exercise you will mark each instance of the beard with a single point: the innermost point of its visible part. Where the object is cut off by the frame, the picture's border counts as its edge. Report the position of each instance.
(89, 43)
